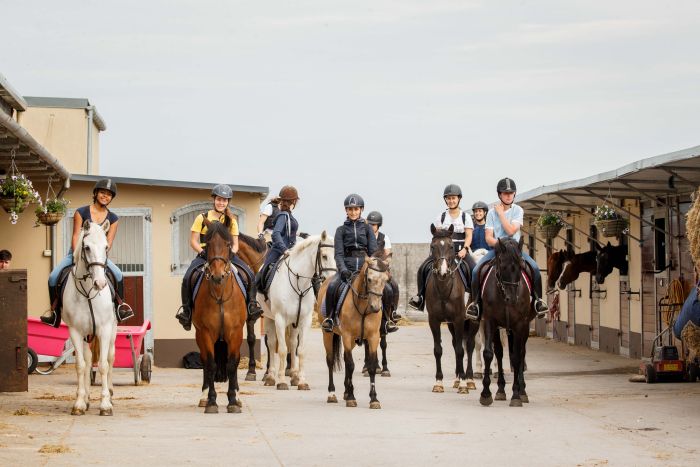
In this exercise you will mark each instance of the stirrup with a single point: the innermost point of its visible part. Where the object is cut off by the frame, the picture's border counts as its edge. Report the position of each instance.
(184, 319)
(254, 311)
(50, 318)
(124, 312)
(390, 327)
(416, 302)
(541, 308)
(327, 325)
(472, 311)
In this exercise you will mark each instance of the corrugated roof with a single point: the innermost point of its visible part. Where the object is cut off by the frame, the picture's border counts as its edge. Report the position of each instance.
(263, 190)
(67, 103)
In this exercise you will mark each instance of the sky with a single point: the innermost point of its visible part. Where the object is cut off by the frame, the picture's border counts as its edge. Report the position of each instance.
(389, 99)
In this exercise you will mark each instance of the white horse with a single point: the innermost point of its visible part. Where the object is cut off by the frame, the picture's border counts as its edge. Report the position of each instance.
(287, 314)
(88, 310)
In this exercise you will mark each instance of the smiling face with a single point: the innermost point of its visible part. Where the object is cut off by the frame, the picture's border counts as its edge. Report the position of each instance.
(452, 201)
(104, 197)
(479, 214)
(353, 213)
(220, 204)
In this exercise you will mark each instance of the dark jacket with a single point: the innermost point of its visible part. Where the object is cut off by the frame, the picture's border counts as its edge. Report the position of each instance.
(479, 238)
(284, 234)
(351, 240)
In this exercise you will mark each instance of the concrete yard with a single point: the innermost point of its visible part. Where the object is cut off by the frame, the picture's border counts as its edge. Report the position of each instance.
(582, 411)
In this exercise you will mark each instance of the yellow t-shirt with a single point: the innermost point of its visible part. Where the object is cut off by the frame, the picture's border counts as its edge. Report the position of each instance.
(213, 216)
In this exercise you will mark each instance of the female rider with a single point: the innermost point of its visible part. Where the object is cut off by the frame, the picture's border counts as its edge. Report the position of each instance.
(354, 241)
(221, 195)
(479, 210)
(391, 289)
(505, 220)
(103, 193)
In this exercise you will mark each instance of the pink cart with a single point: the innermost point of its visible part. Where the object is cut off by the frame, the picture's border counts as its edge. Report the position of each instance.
(127, 352)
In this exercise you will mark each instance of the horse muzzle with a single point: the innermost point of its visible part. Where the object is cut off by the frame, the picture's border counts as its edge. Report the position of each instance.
(100, 284)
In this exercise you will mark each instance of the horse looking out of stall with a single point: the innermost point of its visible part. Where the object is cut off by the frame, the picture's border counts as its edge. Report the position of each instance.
(581, 262)
(555, 265)
(609, 257)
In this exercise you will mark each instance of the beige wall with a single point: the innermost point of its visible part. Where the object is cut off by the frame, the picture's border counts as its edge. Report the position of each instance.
(635, 269)
(583, 303)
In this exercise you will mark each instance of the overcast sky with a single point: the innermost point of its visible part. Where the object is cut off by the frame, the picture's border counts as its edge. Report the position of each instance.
(390, 99)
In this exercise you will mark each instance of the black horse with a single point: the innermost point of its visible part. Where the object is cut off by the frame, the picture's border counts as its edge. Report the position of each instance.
(506, 303)
(445, 303)
(609, 257)
(390, 303)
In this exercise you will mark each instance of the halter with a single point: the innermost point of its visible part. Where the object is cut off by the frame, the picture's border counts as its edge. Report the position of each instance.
(88, 275)
(364, 296)
(502, 284)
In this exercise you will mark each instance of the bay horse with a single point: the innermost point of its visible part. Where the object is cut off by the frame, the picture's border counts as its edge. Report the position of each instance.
(609, 257)
(573, 267)
(555, 266)
(360, 318)
(445, 302)
(88, 310)
(287, 313)
(506, 304)
(219, 316)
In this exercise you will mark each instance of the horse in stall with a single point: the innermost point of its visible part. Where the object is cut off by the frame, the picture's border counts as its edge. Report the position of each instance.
(88, 311)
(609, 257)
(555, 266)
(219, 316)
(445, 302)
(287, 313)
(506, 303)
(360, 318)
(574, 266)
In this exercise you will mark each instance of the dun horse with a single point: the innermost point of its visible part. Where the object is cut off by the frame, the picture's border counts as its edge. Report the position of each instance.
(445, 302)
(506, 304)
(219, 317)
(360, 318)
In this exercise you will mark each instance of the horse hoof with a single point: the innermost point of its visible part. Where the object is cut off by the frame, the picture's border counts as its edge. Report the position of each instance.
(486, 401)
(351, 403)
(365, 373)
(106, 412)
(516, 403)
(455, 385)
(233, 408)
(438, 388)
(524, 398)
(294, 381)
(282, 387)
(269, 382)
(375, 405)
(386, 373)
(239, 403)
(303, 387)
(471, 385)
(250, 377)
(500, 396)
(77, 411)
(202, 403)
(332, 399)
(211, 409)
(463, 390)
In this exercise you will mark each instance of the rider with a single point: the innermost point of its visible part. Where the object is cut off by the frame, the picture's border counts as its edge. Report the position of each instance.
(354, 241)
(221, 195)
(266, 220)
(284, 232)
(461, 239)
(479, 209)
(505, 220)
(103, 193)
(375, 220)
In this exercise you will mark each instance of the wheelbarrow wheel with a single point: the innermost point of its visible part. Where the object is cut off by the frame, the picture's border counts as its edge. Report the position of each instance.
(692, 372)
(32, 360)
(145, 368)
(650, 374)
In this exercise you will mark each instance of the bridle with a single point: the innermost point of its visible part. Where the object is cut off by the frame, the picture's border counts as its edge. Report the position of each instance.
(503, 284)
(227, 278)
(450, 272)
(79, 281)
(366, 295)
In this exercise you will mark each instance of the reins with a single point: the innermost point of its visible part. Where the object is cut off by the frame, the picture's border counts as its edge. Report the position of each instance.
(227, 276)
(363, 296)
(78, 281)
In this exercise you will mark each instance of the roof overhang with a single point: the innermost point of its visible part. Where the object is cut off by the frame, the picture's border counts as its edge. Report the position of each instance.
(12, 97)
(261, 190)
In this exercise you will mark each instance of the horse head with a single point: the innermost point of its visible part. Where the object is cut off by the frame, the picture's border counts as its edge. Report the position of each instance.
(509, 267)
(376, 277)
(442, 251)
(555, 266)
(325, 258)
(92, 251)
(604, 264)
(219, 241)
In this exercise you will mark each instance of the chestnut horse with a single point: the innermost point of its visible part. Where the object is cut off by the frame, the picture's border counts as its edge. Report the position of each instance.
(219, 317)
(360, 318)
(582, 262)
(555, 266)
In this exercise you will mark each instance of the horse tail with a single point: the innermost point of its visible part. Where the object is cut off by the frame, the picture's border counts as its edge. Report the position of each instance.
(337, 347)
(221, 359)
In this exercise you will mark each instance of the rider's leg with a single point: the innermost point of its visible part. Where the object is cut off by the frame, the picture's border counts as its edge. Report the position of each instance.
(53, 316)
(331, 304)
(395, 316)
(474, 307)
(254, 310)
(540, 306)
(123, 309)
(417, 302)
(184, 314)
(387, 300)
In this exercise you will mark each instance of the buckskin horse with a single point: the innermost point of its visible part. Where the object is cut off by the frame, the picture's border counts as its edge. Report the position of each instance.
(445, 302)
(219, 316)
(360, 318)
(506, 303)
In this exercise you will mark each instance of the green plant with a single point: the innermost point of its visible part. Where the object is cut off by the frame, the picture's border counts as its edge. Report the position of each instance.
(550, 218)
(56, 205)
(606, 213)
(20, 189)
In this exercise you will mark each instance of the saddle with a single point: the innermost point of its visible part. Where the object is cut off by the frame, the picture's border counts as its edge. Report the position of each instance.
(335, 297)
(240, 274)
(485, 270)
(265, 277)
(63, 280)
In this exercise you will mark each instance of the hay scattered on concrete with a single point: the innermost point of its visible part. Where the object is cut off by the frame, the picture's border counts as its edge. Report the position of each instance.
(54, 449)
(22, 411)
(53, 397)
(403, 321)
(692, 228)
(243, 364)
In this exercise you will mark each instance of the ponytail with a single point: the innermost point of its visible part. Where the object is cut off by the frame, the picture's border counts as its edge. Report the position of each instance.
(229, 217)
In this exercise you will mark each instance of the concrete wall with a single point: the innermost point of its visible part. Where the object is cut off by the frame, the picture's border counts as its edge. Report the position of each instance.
(406, 259)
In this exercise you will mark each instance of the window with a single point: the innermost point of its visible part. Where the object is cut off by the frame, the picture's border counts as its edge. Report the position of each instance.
(181, 220)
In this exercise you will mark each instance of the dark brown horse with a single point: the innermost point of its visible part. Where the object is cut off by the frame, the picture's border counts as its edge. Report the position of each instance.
(555, 265)
(582, 262)
(219, 317)
(609, 257)
(506, 302)
(445, 302)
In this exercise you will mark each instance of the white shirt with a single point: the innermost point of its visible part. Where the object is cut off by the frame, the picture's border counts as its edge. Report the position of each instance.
(387, 242)
(266, 209)
(514, 215)
(457, 222)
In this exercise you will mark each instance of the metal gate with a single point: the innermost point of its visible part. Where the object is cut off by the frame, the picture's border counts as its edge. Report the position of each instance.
(13, 332)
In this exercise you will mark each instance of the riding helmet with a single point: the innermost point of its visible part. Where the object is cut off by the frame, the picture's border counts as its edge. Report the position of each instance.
(452, 190)
(106, 184)
(506, 185)
(222, 190)
(375, 218)
(480, 205)
(289, 193)
(353, 200)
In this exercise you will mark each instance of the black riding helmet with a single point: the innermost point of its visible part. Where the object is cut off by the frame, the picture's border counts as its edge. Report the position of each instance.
(106, 184)
(375, 218)
(480, 205)
(452, 190)
(506, 185)
(353, 200)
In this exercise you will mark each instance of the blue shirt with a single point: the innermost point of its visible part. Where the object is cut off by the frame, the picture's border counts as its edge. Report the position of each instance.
(86, 216)
(479, 238)
(515, 215)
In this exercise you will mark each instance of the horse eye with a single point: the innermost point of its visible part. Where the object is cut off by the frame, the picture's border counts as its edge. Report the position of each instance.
(87, 247)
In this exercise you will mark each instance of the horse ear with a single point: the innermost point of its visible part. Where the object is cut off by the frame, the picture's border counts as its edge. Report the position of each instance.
(387, 259)
(86, 225)
(432, 229)
(106, 225)
(324, 236)
(451, 229)
(609, 243)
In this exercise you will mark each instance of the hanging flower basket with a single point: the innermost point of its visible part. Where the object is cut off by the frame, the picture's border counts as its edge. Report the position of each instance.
(609, 222)
(16, 192)
(548, 231)
(549, 224)
(51, 212)
(49, 218)
(13, 204)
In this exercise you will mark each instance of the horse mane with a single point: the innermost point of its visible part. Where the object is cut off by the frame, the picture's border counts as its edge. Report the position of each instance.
(257, 244)
(217, 228)
(305, 243)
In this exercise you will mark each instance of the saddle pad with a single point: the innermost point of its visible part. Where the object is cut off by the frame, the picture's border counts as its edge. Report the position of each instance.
(488, 273)
(343, 293)
(269, 275)
(239, 281)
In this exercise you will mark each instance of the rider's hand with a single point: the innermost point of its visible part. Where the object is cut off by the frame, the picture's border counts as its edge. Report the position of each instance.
(261, 235)
(462, 253)
(345, 274)
(500, 208)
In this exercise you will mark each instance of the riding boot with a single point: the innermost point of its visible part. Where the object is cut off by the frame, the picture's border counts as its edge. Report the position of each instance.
(474, 308)
(53, 316)
(123, 310)
(184, 313)
(254, 310)
(539, 305)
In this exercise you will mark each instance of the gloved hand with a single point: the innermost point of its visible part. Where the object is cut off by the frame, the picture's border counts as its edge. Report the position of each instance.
(345, 274)
(261, 235)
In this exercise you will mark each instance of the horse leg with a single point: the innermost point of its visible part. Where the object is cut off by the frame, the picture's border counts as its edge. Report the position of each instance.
(301, 354)
(293, 356)
(478, 345)
(209, 364)
(486, 397)
(498, 350)
(458, 342)
(349, 396)
(437, 351)
(330, 340)
(80, 405)
(250, 339)
(373, 366)
(234, 357)
(365, 368)
(451, 328)
(110, 360)
(103, 365)
(471, 342)
(87, 374)
(205, 388)
(281, 357)
(523, 395)
(271, 346)
(517, 363)
(385, 367)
